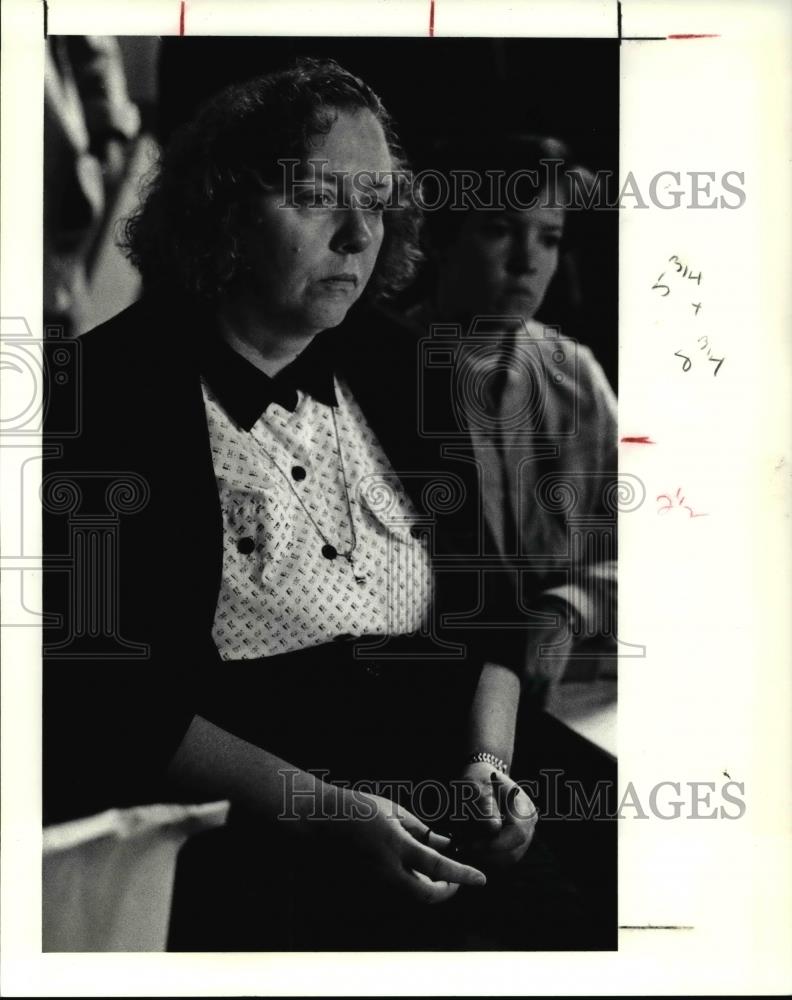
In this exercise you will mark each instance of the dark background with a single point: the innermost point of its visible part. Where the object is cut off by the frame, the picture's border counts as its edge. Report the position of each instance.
(567, 88)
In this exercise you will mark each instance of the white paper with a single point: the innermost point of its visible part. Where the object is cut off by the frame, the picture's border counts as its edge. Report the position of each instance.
(708, 596)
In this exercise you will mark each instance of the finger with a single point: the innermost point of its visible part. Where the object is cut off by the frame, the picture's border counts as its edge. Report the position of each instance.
(419, 886)
(518, 827)
(413, 825)
(508, 808)
(440, 868)
(423, 833)
(510, 838)
(501, 791)
(486, 811)
(437, 841)
(424, 889)
(518, 808)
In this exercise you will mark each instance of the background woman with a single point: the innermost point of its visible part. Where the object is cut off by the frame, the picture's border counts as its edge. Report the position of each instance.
(544, 424)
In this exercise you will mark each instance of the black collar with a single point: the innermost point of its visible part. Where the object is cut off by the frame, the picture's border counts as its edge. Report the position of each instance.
(245, 392)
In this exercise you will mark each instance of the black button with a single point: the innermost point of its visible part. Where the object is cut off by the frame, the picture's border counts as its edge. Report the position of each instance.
(415, 531)
(246, 546)
(329, 551)
(298, 473)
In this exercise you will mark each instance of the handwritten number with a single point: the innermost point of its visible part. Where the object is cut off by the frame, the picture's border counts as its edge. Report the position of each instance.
(680, 502)
(685, 363)
(686, 271)
(657, 285)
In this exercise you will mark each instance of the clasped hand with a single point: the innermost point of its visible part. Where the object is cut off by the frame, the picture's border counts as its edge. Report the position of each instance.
(499, 819)
(400, 848)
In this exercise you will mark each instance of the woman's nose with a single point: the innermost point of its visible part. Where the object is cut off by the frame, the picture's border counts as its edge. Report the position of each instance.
(522, 256)
(353, 234)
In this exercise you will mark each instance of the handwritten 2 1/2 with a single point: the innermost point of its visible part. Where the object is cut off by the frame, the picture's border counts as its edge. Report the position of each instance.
(676, 503)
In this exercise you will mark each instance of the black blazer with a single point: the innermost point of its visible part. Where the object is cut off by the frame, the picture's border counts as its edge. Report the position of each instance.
(133, 538)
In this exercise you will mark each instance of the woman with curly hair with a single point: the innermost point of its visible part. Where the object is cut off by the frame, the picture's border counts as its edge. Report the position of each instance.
(298, 621)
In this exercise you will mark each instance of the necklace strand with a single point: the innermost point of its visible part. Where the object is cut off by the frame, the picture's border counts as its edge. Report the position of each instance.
(328, 549)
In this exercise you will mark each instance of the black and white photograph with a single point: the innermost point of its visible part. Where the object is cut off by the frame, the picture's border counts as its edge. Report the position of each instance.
(394, 497)
(340, 503)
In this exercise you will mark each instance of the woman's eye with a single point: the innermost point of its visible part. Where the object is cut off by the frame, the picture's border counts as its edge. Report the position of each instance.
(315, 199)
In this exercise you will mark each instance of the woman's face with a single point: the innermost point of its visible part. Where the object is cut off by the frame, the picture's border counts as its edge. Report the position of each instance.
(501, 263)
(311, 252)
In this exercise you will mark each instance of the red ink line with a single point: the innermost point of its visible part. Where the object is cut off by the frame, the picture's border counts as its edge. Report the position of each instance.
(692, 36)
(181, 18)
(637, 440)
(431, 18)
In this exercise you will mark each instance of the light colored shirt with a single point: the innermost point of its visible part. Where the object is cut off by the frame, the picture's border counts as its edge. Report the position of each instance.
(287, 489)
(545, 437)
(543, 421)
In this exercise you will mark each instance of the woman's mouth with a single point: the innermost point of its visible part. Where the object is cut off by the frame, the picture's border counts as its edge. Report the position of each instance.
(341, 282)
(519, 292)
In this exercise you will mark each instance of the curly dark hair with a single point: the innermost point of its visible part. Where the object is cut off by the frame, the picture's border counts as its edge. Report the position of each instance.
(185, 235)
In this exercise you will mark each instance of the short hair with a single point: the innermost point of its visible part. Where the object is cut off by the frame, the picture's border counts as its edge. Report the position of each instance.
(534, 163)
(184, 236)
